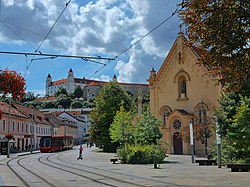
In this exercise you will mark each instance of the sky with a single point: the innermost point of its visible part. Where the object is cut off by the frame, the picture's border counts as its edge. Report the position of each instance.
(98, 28)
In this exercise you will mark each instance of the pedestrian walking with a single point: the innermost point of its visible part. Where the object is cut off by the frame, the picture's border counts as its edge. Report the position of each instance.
(80, 153)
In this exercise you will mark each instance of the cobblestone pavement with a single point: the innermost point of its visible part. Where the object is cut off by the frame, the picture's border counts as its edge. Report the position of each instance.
(177, 170)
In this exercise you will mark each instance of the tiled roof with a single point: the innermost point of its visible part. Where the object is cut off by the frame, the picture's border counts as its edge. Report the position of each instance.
(50, 98)
(63, 81)
(183, 112)
(39, 117)
(5, 109)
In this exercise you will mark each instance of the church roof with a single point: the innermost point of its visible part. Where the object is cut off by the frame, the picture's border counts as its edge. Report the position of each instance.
(183, 112)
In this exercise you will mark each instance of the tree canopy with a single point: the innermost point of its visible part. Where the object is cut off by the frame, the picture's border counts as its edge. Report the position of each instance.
(78, 92)
(60, 91)
(234, 128)
(109, 100)
(121, 130)
(12, 83)
(147, 130)
(219, 30)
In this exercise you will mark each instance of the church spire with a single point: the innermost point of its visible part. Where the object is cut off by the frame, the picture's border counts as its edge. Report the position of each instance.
(180, 33)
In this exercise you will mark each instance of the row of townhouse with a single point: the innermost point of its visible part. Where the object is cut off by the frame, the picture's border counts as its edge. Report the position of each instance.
(28, 125)
(80, 116)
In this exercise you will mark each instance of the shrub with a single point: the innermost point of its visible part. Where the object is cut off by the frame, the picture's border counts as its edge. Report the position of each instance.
(140, 154)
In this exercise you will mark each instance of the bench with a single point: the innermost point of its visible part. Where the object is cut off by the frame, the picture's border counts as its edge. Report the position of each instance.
(239, 167)
(113, 160)
(206, 162)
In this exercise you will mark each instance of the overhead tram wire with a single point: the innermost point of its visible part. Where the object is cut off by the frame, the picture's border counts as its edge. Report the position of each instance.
(6, 23)
(144, 36)
(37, 50)
(47, 55)
(18, 35)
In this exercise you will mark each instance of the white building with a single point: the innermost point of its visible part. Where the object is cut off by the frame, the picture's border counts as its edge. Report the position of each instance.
(90, 87)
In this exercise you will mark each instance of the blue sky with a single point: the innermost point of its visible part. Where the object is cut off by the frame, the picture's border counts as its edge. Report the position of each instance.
(86, 28)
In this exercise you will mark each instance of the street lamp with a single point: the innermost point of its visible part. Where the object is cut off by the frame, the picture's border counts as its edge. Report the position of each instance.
(191, 139)
(218, 141)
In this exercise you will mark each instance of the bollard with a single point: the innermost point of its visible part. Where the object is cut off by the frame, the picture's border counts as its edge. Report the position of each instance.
(155, 161)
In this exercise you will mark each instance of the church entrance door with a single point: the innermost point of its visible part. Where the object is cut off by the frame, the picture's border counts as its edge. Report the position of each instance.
(177, 140)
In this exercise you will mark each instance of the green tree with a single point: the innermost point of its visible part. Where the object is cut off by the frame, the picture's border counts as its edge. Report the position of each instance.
(60, 91)
(240, 133)
(220, 32)
(49, 104)
(63, 101)
(29, 96)
(78, 92)
(147, 130)
(109, 100)
(87, 104)
(121, 130)
(233, 126)
(76, 104)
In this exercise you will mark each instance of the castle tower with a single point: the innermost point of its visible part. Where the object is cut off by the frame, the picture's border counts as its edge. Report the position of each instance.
(114, 78)
(70, 76)
(48, 83)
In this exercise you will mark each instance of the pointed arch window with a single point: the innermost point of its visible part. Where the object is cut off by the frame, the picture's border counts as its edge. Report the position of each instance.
(182, 87)
(165, 111)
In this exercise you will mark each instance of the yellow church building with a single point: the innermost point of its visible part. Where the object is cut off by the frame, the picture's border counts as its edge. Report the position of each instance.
(180, 92)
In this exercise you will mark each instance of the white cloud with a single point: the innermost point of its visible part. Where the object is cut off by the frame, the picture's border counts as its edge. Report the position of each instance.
(101, 27)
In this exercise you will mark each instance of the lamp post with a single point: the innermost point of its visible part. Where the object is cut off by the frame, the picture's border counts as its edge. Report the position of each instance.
(8, 149)
(191, 139)
(218, 141)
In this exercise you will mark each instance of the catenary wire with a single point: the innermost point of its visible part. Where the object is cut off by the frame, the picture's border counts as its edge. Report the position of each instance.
(37, 50)
(144, 36)
(30, 31)
(18, 35)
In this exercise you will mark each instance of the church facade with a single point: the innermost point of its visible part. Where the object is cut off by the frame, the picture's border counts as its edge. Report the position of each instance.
(183, 92)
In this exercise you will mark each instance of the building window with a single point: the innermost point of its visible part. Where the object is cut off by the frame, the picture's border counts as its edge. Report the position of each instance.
(177, 124)
(13, 126)
(165, 111)
(18, 126)
(201, 114)
(27, 127)
(4, 125)
(182, 87)
(22, 126)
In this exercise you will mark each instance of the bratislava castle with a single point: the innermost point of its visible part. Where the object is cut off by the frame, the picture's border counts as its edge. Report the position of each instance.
(90, 87)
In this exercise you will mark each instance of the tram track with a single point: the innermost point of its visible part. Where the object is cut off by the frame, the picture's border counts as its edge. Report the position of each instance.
(50, 169)
(115, 176)
(26, 178)
(55, 165)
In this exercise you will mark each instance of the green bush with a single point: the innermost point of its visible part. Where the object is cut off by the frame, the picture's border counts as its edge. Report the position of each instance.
(140, 154)
(231, 155)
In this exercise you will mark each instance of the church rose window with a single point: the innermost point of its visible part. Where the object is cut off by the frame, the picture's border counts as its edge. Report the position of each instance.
(177, 124)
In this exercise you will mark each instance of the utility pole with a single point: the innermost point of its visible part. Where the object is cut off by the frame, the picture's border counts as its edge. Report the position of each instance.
(32, 131)
(8, 149)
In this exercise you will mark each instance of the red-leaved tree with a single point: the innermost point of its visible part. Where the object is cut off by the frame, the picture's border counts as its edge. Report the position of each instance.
(12, 83)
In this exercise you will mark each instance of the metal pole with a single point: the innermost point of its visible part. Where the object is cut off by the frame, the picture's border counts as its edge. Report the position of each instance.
(32, 129)
(218, 150)
(8, 149)
(155, 161)
(191, 140)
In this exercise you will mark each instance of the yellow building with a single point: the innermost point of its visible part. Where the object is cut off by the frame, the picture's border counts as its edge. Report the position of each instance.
(182, 91)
